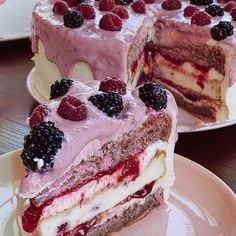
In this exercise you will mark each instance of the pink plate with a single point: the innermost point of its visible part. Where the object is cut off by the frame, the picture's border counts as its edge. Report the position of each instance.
(200, 203)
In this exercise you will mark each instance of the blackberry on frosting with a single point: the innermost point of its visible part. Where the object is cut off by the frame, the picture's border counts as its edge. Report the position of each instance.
(73, 19)
(222, 30)
(215, 10)
(60, 88)
(201, 2)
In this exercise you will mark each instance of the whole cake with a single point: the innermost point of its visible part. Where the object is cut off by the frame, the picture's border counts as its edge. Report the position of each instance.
(188, 46)
(97, 157)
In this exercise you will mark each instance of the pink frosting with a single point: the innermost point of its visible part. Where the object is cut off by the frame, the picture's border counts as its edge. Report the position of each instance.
(95, 130)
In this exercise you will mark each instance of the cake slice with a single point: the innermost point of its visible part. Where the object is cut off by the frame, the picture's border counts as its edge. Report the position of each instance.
(98, 157)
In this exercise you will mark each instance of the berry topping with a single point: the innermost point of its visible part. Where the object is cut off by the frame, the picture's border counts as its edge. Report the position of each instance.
(153, 95)
(229, 6)
(121, 12)
(123, 2)
(139, 6)
(200, 18)
(233, 13)
(60, 8)
(60, 88)
(41, 146)
(113, 84)
(149, 1)
(73, 19)
(201, 2)
(38, 115)
(71, 3)
(215, 10)
(110, 22)
(87, 10)
(111, 103)
(189, 10)
(171, 5)
(71, 108)
(222, 30)
(106, 5)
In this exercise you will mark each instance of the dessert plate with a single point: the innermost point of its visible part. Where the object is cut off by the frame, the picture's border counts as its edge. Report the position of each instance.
(200, 203)
(186, 122)
(15, 19)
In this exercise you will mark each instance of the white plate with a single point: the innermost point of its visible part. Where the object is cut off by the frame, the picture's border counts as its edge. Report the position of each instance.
(15, 19)
(200, 203)
(186, 122)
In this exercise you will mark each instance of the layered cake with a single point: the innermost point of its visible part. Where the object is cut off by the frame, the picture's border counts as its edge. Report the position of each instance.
(188, 46)
(97, 157)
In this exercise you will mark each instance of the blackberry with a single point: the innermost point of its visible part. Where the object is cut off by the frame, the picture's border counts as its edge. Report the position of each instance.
(41, 146)
(123, 2)
(201, 2)
(60, 88)
(73, 19)
(110, 102)
(215, 10)
(222, 30)
(153, 95)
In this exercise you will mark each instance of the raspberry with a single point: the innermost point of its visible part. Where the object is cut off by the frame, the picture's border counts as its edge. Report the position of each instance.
(71, 108)
(87, 10)
(113, 84)
(200, 18)
(71, 3)
(233, 13)
(110, 22)
(73, 19)
(123, 2)
(139, 6)
(201, 2)
(38, 115)
(222, 30)
(189, 10)
(41, 146)
(153, 95)
(215, 10)
(106, 5)
(110, 103)
(171, 5)
(60, 8)
(229, 6)
(60, 88)
(149, 1)
(121, 12)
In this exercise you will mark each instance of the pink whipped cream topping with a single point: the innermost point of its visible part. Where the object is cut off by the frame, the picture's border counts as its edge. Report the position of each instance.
(84, 137)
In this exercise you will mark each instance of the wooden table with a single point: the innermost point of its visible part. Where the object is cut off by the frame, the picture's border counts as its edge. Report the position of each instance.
(216, 149)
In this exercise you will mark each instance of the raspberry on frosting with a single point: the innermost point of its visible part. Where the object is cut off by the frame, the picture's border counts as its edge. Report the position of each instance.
(110, 22)
(189, 10)
(71, 108)
(229, 6)
(38, 115)
(71, 3)
(200, 18)
(121, 12)
(60, 8)
(139, 6)
(87, 10)
(233, 13)
(113, 84)
(106, 5)
(171, 5)
(149, 1)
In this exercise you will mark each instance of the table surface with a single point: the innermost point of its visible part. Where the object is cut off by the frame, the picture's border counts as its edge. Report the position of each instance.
(215, 149)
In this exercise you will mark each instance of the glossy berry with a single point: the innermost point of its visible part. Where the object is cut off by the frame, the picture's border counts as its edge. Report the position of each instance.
(110, 103)
(139, 6)
(71, 3)
(71, 108)
(113, 84)
(87, 10)
(229, 6)
(123, 2)
(60, 8)
(73, 19)
(200, 18)
(60, 88)
(222, 30)
(189, 10)
(106, 5)
(233, 13)
(41, 146)
(171, 5)
(201, 2)
(215, 10)
(110, 22)
(121, 12)
(38, 115)
(153, 95)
